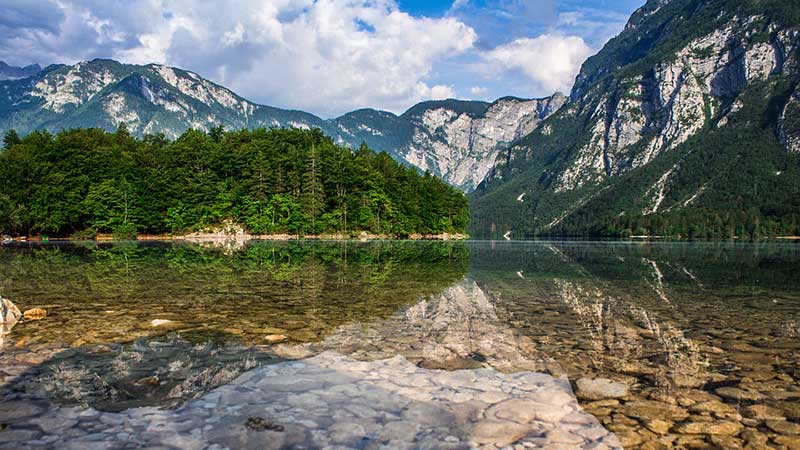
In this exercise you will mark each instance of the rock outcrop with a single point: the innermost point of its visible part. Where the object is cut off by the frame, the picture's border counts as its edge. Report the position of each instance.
(790, 123)
(646, 115)
(9, 313)
(462, 148)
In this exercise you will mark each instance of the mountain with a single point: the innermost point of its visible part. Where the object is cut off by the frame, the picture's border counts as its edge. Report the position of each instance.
(8, 72)
(686, 122)
(456, 140)
(148, 99)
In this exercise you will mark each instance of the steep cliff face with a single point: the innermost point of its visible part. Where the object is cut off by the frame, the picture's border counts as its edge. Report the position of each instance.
(458, 141)
(676, 98)
(461, 146)
(681, 69)
(790, 123)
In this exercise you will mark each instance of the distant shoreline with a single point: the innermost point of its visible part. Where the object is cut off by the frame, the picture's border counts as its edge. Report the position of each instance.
(220, 238)
(364, 237)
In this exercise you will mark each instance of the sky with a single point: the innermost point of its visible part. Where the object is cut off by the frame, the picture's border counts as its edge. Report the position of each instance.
(329, 57)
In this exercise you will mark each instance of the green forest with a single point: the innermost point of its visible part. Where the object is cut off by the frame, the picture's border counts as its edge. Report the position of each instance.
(81, 182)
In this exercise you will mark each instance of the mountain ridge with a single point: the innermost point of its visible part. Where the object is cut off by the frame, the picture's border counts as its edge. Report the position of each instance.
(155, 98)
(9, 72)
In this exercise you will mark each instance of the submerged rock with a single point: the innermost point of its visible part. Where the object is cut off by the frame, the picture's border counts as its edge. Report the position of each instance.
(273, 338)
(35, 314)
(649, 409)
(9, 316)
(600, 388)
(737, 394)
(784, 427)
(724, 428)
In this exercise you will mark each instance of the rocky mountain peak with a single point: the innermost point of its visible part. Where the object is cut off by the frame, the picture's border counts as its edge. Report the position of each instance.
(461, 144)
(8, 72)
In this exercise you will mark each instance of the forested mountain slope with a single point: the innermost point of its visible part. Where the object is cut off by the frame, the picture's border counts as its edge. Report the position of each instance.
(687, 123)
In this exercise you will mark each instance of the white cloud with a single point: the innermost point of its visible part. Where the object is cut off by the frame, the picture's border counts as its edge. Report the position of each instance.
(478, 91)
(234, 37)
(323, 56)
(326, 56)
(458, 4)
(549, 62)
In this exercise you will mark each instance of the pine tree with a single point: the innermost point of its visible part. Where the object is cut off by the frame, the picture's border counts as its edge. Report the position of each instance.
(313, 191)
(10, 139)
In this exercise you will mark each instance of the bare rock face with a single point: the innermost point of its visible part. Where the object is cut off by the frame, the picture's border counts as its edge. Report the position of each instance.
(462, 147)
(676, 99)
(790, 123)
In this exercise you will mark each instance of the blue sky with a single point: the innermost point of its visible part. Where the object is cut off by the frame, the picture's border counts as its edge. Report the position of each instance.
(329, 56)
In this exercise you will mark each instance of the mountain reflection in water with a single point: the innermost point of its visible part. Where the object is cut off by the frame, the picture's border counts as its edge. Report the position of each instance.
(698, 341)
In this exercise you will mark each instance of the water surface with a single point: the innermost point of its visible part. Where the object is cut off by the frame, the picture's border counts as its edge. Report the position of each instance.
(703, 337)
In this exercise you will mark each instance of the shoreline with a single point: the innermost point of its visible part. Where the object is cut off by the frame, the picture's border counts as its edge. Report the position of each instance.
(243, 237)
(363, 237)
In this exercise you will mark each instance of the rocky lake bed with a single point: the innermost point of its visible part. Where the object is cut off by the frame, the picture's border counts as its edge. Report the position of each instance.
(554, 345)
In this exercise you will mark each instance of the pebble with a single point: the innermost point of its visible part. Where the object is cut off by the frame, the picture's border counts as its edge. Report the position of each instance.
(784, 427)
(712, 428)
(274, 338)
(35, 314)
(737, 394)
(600, 388)
(763, 412)
(648, 409)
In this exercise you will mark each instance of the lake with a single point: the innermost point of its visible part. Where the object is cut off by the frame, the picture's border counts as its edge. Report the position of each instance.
(402, 345)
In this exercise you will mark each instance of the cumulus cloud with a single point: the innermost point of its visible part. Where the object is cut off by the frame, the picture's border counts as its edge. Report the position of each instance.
(548, 62)
(477, 90)
(327, 56)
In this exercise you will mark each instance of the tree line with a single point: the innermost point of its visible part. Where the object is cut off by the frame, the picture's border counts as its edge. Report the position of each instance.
(80, 182)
